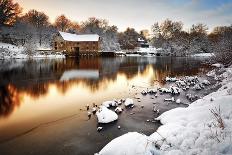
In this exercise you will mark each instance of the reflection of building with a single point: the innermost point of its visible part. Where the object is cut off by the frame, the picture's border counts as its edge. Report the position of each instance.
(76, 74)
(74, 45)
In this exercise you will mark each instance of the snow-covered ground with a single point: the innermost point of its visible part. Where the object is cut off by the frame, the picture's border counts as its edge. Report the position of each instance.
(204, 127)
(203, 55)
(145, 51)
(9, 51)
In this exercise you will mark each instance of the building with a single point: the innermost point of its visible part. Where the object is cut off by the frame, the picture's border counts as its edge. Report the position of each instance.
(75, 45)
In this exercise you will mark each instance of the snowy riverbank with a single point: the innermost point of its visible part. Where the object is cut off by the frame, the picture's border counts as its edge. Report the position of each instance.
(204, 127)
(9, 51)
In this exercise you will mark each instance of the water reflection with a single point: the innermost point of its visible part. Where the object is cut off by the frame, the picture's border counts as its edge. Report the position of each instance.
(38, 79)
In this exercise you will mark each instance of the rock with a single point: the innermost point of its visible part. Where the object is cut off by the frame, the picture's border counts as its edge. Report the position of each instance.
(152, 91)
(178, 101)
(165, 90)
(197, 87)
(170, 99)
(212, 99)
(128, 102)
(206, 82)
(94, 110)
(99, 128)
(175, 90)
(144, 92)
(89, 114)
(105, 115)
(87, 107)
(171, 79)
(118, 110)
(107, 104)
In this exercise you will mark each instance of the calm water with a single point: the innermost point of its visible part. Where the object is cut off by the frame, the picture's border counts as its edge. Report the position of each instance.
(40, 113)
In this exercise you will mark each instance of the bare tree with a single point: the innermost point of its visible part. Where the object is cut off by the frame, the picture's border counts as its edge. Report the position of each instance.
(36, 18)
(62, 23)
(9, 11)
(199, 29)
(169, 28)
(74, 27)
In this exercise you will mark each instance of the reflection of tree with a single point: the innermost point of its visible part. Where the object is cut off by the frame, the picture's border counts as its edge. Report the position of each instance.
(8, 100)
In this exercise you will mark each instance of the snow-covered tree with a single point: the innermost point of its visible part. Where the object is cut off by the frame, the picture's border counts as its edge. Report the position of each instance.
(108, 34)
(221, 41)
(37, 19)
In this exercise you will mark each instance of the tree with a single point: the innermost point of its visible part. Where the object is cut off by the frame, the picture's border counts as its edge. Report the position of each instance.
(62, 23)
(9, 11)
(36, 18)
(155, 30)
(74, 27)
(94, 25)
(169, 28)
(129, 38)
(198, 38)
(199, 29)
(221, 39)
(108, 34)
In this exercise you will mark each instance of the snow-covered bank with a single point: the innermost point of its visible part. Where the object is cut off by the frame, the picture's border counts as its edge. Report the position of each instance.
(203, 55)
(9, 51)
(205, 127)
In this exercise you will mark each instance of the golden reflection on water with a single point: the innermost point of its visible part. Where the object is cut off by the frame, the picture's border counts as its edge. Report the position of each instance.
(60, 98)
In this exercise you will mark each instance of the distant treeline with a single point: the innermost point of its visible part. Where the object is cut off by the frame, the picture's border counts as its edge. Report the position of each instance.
(34, 26)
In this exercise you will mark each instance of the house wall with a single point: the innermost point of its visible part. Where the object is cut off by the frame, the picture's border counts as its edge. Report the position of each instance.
(71, 48)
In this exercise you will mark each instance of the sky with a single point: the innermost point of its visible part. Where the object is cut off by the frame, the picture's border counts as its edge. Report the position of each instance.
(139, 14)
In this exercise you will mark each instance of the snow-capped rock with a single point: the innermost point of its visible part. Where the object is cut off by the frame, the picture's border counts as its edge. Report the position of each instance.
(128, 102)
(105, 115)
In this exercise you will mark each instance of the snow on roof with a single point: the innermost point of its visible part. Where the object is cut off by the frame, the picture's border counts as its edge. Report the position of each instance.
(82, 37)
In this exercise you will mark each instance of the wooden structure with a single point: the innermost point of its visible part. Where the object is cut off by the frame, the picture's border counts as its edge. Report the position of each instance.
(77, 45)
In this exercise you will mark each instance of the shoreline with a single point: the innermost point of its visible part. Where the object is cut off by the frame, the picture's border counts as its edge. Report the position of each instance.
(178, 132)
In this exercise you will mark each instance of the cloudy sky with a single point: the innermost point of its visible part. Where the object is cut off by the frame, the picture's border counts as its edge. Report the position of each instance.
(140, 14)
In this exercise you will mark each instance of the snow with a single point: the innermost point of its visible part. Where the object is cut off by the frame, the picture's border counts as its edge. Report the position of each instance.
(178, 101)
(191, 130)
(9, 51)
(203, 55)
(150, 50)
(218, 65)
(108, 104)
(171, 79)
(118, 110)
(80, 38)
(73, 74)
(128, 102)
(131, 143)
(104, 115)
